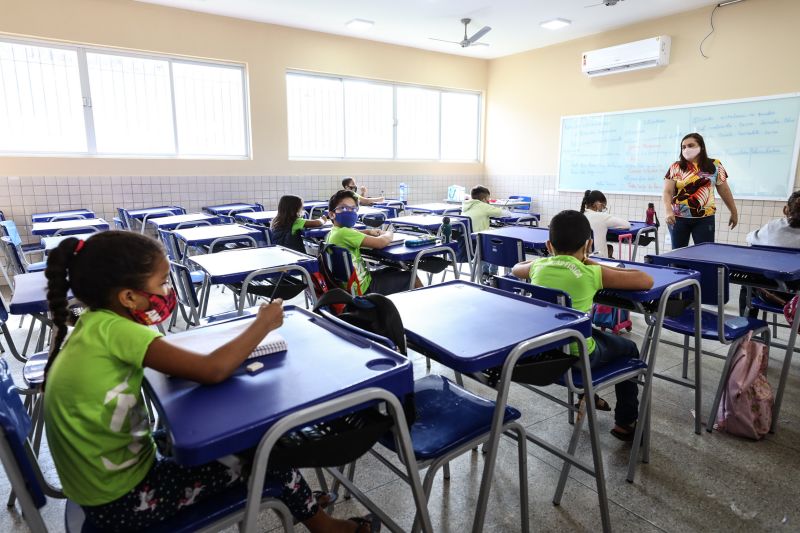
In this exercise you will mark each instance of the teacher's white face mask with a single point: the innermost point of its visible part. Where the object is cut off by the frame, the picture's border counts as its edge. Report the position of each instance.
(691, 153)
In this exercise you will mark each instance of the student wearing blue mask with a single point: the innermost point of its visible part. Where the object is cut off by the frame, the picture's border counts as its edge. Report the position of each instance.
(97, 427)
(343, 212)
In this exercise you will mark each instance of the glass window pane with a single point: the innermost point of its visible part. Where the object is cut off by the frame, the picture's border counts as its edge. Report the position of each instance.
(132, 104)
(460, 112)
(417, 123)
(41, 106)
(369, 122)
(209, 109)
(315, 116)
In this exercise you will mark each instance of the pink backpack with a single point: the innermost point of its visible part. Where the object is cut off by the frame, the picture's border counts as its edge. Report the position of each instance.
(746, 406)
(790, 309)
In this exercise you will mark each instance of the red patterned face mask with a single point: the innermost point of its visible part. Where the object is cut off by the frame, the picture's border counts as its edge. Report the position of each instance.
(160, 308)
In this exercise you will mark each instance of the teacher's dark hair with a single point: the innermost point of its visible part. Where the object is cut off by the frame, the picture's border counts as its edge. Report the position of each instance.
(590, 197)
(703, 162)
(793, 210)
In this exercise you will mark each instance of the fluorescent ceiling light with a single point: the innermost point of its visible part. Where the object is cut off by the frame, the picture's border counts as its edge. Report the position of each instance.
(555, 24)
(359, 24)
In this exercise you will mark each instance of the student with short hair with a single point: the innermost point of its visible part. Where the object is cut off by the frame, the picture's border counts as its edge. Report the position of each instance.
(97, 427)
(595, 207)
(570, 269)
(290, 221)
(343, 211)
(480, 211)
(349, 184)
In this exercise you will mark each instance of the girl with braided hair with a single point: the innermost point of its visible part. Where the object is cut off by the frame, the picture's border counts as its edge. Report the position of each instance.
(97, 428)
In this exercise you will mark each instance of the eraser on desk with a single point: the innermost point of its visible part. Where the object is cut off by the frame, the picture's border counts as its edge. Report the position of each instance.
(252, 368)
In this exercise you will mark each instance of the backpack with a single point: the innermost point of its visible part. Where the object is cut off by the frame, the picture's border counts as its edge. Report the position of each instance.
(604, 316)
(372, 312)
(790, 309)
(747, 398)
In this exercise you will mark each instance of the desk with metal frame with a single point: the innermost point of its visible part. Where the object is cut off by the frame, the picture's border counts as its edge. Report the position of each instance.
(296, 387)
(48, 229)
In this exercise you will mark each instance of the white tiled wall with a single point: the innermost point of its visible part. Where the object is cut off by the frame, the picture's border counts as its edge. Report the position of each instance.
(548, 201)
(22, 196)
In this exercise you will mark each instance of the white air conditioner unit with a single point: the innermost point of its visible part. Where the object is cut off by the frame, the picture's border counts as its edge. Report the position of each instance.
(647, 53)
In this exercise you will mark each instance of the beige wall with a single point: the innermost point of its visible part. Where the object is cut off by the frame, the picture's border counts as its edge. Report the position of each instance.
(268, 51)
(752, 53)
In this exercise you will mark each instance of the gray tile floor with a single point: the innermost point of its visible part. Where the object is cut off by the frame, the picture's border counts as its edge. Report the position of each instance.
(708, 482)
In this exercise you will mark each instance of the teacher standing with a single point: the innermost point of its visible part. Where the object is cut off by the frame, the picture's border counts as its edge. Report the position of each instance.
(689, 194)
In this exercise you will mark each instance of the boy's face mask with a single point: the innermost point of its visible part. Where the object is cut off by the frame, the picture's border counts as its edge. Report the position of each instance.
(161, 307)
(346, 218)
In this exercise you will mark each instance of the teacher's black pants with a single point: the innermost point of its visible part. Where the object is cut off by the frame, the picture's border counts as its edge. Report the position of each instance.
(699, 229)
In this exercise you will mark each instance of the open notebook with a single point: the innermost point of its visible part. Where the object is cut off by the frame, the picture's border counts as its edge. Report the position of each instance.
(272, 343)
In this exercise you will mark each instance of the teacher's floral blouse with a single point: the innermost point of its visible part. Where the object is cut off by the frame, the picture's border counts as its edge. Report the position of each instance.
(694, 189)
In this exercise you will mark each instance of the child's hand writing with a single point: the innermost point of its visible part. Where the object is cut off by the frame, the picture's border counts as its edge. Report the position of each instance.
(272, 314)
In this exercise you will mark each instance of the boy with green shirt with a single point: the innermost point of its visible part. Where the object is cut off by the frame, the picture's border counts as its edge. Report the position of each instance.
(343, 211)
(480, 211)
(569, 269)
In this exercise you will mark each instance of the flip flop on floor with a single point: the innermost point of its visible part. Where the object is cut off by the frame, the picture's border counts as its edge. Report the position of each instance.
(627, 435)
(599, 403)
(370, 520)
(324, 499)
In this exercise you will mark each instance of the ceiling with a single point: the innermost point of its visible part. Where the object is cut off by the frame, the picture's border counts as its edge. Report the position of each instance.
(515, 23)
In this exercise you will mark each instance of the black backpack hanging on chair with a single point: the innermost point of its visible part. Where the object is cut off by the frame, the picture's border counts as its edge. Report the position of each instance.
(343, 440)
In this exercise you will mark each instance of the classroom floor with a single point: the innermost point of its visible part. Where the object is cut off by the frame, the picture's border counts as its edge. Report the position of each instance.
(710, 482)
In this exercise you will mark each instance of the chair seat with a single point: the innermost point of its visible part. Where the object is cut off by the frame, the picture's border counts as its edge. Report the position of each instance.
(735, 326)
(37, 267)
(604, 373)
(32, 248)
(33, 371)
(191, 519)
(198, 276)
(763, 305)
(436, 431)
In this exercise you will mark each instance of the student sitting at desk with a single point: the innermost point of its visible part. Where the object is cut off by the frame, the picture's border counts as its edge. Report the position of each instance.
(570, 269)
(290, 221)
(343, 210)
(97, 426)
(595, 207)
(783, 232)
(349, 184)
(480, 211)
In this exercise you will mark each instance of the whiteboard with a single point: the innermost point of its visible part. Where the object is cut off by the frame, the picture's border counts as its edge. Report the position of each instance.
(756, 139)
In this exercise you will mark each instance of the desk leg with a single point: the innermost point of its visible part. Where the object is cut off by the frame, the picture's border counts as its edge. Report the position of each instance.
(787, 363)
(206, 290)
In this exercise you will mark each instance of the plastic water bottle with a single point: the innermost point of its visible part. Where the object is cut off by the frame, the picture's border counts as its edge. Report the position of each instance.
(447, 230)
(403, 192)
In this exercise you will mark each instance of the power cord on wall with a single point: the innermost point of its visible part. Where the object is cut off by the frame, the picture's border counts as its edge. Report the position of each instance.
(721, 4)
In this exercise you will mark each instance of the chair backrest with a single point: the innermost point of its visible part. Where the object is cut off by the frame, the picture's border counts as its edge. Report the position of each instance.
(374, 220)
(124, 217)
(524, 208)
(2, 216)
(184, 287)
(512, 284)
(338, 263)
(170, 244)
(15, 425)
(713, 278)
(14, 257)
(10, 230)
(500, 251)
(119, 224)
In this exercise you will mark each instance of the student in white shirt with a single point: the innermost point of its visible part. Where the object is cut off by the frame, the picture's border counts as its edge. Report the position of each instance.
(784, 232)
(594, 206)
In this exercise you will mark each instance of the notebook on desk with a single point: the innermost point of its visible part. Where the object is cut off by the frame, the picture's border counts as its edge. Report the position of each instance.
(272, 343)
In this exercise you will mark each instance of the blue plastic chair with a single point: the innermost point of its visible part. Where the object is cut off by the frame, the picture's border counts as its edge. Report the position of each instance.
(189, 303)
(522, 208)
(497, 250)
(16, 261)
(9, 228)
(714, 325)
(437, 436)
(32, 490)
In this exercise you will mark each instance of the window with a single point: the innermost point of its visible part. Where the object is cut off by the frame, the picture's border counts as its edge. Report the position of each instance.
(343, 118)
(76, 100)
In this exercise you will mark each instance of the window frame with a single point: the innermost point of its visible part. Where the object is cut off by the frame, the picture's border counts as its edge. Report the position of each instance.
(394, 85)
(89, 127)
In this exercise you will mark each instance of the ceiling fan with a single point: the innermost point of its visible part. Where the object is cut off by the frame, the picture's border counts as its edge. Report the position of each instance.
(607, 3)
(468, 41)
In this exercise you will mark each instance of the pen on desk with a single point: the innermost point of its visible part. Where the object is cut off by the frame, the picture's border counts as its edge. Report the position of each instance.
(275, 289)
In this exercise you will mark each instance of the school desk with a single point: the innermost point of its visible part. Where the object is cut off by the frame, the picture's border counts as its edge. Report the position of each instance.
(47, 217)
(262, 218)
(435, 208)
(470, 328)
(172, 222)
(637, 230)
(232, 208)
(30, 298)
(48, 243)
(47, 229)
(202, 236)
(408, 257)
(236, 266)
(769, 268)
(323, 363)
